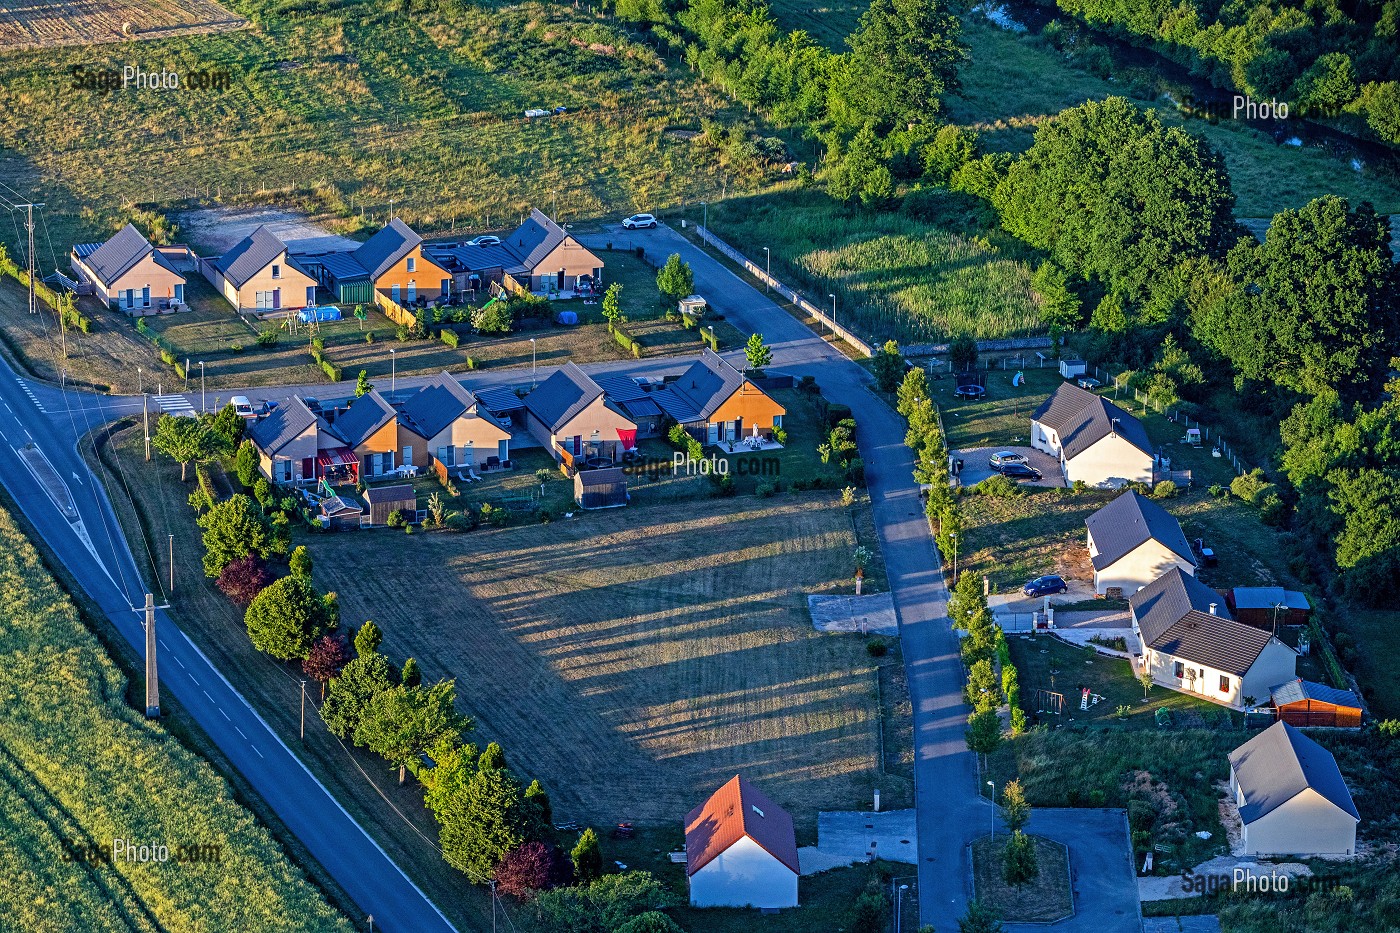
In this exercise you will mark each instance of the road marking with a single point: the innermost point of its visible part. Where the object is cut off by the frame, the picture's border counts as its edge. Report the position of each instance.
(240, 732)
(255, 748)
(182, 664)
(223, 714)
(206, 693)
(175, 405)
(78, 478)
(24, 387)
(191, 677)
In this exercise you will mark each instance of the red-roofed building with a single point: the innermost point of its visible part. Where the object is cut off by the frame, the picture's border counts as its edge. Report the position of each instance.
(741, 850)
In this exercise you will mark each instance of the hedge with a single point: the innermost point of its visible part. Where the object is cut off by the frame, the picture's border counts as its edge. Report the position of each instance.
(449, 337)
(627, 342)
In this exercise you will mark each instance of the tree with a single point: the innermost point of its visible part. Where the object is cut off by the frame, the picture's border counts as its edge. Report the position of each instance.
(492, 818)
(966, 600)
(1145, 679)
(653, 921)
(912, 391)
(495, 318)
(604, 905)
(300, 562)
(544, 812)
(612, 306)
(184, 440)
(401, 723)
(362, 384)
(983, 690)
(286, 618)
(675, 280)
(888, 366)
(227, 429)
(326, 659)
(243, 579)
(587, 856)
(350, 692)
(1381, 101)
(857, 173)
(1060, 307)
(245, 464)
(1314, 307)
(979, 919)
(904, 58)
(984, 732)
(527, 868)
(870, 913)
(757, 353)
(1367, 502)
(962, 353)
(952, 147)
(367, 639)
(234, 529)
(411, 675)
(1019, 864)
(1015, 810)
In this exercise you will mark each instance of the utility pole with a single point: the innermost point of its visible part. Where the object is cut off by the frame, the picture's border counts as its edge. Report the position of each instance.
(303, 711)
(172, 563)
(29, 257)
(146, 422)
(152, 675)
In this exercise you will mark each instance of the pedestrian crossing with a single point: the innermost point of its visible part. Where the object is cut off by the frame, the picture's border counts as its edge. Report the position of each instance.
(24, 387)
(175, 405)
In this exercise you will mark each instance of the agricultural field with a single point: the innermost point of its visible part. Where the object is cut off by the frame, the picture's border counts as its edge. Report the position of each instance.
(896, 276)
(45, 24)
(66, 774)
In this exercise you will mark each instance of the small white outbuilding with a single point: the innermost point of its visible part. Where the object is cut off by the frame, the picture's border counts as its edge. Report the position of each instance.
(1292, 797)
(741, 850)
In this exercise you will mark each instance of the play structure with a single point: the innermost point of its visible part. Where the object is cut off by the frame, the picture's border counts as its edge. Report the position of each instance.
(1048, 701)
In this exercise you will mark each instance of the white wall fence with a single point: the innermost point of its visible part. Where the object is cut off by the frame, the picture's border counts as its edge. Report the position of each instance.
(787, 292)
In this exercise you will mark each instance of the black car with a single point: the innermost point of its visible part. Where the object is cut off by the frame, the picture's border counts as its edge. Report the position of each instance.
(1018, 471)
(1045, 586)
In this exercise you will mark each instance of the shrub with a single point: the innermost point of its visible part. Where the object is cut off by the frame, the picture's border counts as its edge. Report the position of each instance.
(1217, 491)
(1166, 489)
(331, 370)
(780, 435)
(765, 490)
(1251, 486)
(877, 648)
(725, 487)
(999, 487)
(396, 519)
(268, 337)
(242, 580)
(449, 337)
(525, 869)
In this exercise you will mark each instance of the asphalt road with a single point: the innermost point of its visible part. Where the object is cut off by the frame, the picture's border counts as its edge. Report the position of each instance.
(96, 553)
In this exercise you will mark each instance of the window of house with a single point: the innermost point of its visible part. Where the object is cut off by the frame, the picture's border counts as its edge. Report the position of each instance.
(777, 421)
(1224, 684)
(282, 471)
(1179, 669)
(276, 271)
(412, 264)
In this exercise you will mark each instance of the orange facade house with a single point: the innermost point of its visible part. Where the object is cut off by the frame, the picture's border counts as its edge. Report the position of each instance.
(718, 404)
(539, 257)
(129, 274)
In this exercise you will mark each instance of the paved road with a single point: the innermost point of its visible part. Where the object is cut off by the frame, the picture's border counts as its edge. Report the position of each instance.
(95, 552)
(1101, 870)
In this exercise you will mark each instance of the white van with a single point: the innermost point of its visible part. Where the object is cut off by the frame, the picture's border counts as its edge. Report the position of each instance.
(244, 407)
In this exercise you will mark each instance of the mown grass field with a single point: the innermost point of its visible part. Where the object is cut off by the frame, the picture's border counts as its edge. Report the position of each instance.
(355, 104)
(894, 276)
(79, 764)
(1045, 899)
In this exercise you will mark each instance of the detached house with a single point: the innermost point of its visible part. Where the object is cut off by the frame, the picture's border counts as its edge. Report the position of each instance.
(128, 273)
(1133, 541)
(446, 417)
(257, 275)
(539, 257)
(296, 446)
(1292, 797)
(1189, 642)
(741, 850)
(1095, 441)
(718, 404)
(573, 419)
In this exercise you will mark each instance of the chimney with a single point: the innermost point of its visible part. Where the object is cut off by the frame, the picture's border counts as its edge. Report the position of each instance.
(1213, 607)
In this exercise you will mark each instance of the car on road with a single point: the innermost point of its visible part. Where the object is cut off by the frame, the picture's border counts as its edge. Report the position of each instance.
(1005, 456)
(969, 392)
(1018, 471)
(1089, 382)
(639, 222)
(484, 241)
(1048, 585)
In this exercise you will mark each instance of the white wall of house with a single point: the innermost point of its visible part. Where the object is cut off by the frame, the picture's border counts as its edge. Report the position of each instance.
(744, 875)
(1276, 664)
(1309, 824)
(1045, 438)
(1138, 567)
(1111, 460)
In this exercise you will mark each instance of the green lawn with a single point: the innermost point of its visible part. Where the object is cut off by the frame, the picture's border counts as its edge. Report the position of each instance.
(1044, 900)
(1014, 81)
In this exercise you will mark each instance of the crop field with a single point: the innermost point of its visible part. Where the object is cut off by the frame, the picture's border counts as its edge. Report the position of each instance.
(894, 275)
(66, 773)
(42, 24)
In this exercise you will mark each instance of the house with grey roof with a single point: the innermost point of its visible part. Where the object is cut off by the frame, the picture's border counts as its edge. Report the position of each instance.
(371, 428)
(390, 269)
(129, 274)
(1133, 541)
(258, 276)
(448, 419)
(1291, 796)
(719, 404)
(572, 418)
(1189, 642)
(298, 447)
(539, 257)
(1095, 441)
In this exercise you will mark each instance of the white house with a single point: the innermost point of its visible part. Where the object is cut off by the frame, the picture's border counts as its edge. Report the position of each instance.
(1189, 642)
(1094, 440)
(741, 850)
(1133, 541)
(1292, 797)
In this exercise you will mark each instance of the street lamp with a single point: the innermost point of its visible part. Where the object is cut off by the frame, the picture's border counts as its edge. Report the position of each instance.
(532, 362)
(201, 386)
(899, 908)
(994, 808)
(393, 371)
(769, 255)
(706, 222)
(833, 314)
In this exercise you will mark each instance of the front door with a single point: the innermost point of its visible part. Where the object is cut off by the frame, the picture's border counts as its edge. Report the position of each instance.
(578, 444)
(146, 297)
(561, 280)
(394, 294)
(407, 456)
(503, 450)
(276, 298)
(713, 436)
(412, 291)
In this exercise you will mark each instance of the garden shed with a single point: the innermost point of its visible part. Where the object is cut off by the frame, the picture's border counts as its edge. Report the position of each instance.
(1071, 369)
(600, 489)
(339, 513)
(386, 500)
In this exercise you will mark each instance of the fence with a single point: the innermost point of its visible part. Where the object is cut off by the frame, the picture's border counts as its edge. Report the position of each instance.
(807, 307)
(998, 345)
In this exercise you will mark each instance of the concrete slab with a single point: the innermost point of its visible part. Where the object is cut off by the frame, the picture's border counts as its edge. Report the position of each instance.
(872, 614)
(847, 837)
(977, 468)
(214, 230)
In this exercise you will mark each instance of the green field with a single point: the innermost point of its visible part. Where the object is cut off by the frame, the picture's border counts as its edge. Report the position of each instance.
(81, 765)
(894, 276)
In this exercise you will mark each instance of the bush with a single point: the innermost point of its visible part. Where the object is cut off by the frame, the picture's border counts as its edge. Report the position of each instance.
(765, 490)
(396, 519)
(1252, 486)
(268, 337)
(449, 337)
(331, 370)
(780, 435)
(725, 487)
(1217, 491)
(244, 579)
(1166, 489)
(877, 648)
(999, 487)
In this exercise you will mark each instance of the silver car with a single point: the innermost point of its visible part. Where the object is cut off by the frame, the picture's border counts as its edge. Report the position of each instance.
(1003, 457)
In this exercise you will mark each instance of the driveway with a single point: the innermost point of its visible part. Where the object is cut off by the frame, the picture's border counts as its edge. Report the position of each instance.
(977, 468)
(1101, 871)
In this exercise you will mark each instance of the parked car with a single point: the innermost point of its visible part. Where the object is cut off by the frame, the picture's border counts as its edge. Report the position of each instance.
(484, 241)
(1088, 382)
(1048, 585)
(1005, 456)
(639, 222)
(244, 407)
(1018, 471)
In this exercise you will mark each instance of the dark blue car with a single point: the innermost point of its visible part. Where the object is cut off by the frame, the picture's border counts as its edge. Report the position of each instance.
(1045, 586)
